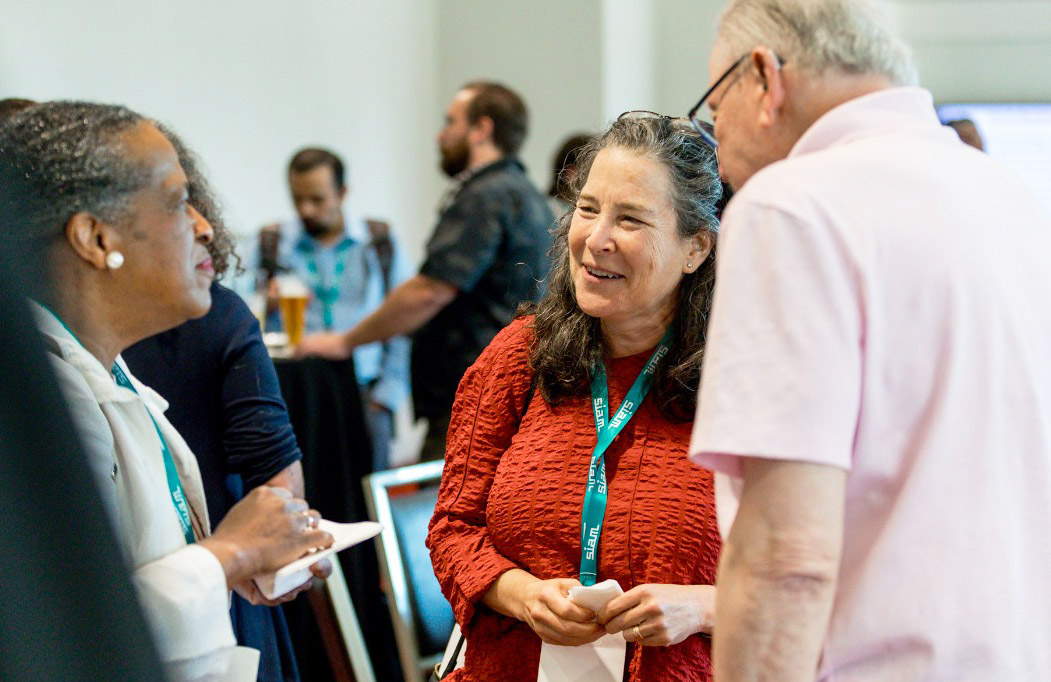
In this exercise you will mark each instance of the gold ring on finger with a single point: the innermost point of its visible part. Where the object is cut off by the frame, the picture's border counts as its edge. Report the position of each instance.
(638, 633)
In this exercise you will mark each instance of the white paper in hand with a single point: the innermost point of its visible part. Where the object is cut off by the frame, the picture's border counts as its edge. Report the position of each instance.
(600, 661)
(291, 576)
(597, 596)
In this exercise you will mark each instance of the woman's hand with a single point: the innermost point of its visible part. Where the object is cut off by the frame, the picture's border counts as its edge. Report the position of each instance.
(664, 614)
(544, 606)
(266, 530)
(250, 592)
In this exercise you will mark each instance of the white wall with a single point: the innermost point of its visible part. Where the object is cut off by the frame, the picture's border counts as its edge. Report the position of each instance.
(248, 83)
(967, 50)
(549, 51)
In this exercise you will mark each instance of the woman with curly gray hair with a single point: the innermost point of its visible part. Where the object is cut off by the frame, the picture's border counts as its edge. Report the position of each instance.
(566, 463)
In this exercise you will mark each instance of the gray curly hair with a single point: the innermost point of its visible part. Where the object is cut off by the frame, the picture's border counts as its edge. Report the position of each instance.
(567, 342)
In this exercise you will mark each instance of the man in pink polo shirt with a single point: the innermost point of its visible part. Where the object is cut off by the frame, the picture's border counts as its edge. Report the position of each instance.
(876, 394)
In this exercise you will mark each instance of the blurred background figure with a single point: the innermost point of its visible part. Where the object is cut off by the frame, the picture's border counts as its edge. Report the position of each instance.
(564, 174)
(487, 254)
(349, 264)
(968, 132)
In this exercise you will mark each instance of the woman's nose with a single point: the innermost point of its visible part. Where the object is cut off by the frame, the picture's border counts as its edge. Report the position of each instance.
(601, 237)
(202, 229)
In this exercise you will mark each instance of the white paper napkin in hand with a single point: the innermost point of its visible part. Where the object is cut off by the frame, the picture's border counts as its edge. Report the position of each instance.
(600, 661)
(291, 576)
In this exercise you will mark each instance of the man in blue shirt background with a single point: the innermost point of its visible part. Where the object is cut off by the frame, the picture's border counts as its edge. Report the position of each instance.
(348, 264)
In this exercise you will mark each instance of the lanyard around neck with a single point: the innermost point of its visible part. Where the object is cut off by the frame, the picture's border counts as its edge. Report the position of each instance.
(595, 495)
(171, 473)
(328, 294)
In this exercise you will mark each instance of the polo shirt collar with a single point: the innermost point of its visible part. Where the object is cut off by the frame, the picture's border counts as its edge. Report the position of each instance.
(892, 109)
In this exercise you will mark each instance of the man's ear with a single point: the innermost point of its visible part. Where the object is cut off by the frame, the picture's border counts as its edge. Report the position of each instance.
(767, 68)
(481, 130)
(91, 239)
(343, 192)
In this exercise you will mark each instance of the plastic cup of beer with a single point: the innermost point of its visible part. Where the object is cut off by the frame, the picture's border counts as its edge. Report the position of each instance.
(292, 299)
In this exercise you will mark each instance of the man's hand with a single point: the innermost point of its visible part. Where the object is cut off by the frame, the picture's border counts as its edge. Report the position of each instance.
(664, 614)
(328, 345)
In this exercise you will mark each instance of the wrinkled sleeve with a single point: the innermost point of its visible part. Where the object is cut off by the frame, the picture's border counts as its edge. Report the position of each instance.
(489, 405)
(185, 600)
(466, 241)
(257, 437)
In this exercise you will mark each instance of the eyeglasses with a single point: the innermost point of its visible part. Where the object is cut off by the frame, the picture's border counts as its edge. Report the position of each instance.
(703, 127)
(679, 124)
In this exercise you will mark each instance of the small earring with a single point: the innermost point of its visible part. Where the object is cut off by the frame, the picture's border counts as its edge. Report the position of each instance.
(690, 265)
(114, 259)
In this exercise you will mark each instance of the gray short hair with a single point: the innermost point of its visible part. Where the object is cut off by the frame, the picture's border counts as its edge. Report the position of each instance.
(850, 36)
(70, 157)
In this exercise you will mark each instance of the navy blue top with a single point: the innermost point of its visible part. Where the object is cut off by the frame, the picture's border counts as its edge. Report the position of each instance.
(225, 401)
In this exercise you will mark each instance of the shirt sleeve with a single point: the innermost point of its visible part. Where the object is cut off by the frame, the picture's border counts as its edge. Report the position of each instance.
(257, 435)
(465, 242)
(184, 597)
(783, 361)
(489, 405)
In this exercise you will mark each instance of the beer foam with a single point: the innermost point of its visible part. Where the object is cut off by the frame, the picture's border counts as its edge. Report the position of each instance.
(289, 286)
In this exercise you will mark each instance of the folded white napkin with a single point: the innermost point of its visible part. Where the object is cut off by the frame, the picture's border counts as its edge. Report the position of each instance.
(292, 575)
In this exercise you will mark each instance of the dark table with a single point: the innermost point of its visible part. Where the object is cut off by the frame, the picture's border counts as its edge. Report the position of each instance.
(325, 408)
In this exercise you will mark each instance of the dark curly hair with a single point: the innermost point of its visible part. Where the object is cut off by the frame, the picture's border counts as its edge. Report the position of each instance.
(221, 248)
(567, 342)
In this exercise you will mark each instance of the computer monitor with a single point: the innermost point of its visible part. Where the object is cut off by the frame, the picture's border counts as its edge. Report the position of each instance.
(1019, 135)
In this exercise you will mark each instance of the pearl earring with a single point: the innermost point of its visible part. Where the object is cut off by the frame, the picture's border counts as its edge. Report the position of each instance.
(114, 259)
(690, 265)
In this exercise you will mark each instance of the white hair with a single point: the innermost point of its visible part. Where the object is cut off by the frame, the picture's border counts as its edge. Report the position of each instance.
(849, 36)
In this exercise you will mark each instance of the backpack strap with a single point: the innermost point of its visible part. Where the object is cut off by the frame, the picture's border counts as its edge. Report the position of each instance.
(379, 231)
(269, 239)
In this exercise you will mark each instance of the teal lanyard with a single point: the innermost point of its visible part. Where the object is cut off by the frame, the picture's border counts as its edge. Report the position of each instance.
(174, 485)
(328, 294)
(595, 497)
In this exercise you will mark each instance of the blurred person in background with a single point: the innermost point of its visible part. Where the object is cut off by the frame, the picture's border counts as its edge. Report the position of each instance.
(564, 174)
(349, 264)
(968, 132)
(106, 218)
(487, 254)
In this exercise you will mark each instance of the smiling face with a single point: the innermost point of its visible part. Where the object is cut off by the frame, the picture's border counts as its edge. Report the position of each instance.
(626, 255)
(166, 264)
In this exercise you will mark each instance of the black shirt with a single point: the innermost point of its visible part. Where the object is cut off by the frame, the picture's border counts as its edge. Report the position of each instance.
(224, 400)
(490, 243)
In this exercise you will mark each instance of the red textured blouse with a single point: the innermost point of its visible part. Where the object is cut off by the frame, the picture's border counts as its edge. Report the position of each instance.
(511, 497)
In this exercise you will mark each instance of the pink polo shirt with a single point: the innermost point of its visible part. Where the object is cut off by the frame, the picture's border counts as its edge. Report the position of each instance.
(884, 306)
